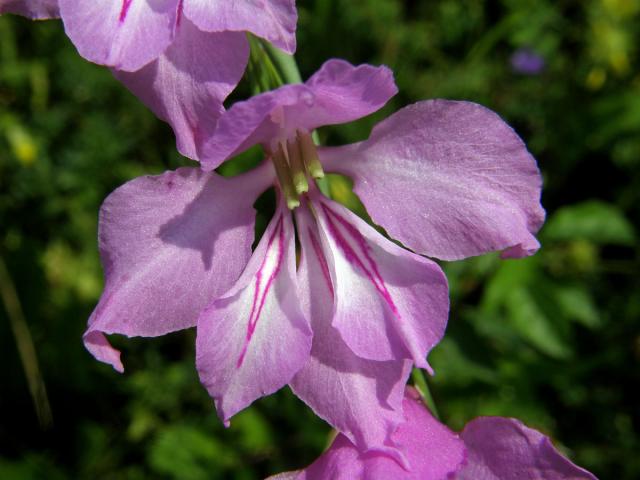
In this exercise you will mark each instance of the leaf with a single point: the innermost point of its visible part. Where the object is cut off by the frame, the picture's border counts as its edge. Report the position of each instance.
(519, 299)
(576, 304)
(184, 452)
(526, 315)
(455, 367)
(595, 221)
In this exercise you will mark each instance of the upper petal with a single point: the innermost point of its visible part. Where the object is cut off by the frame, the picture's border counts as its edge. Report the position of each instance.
(273, 20)
(33, 9)
(253, 339)
(337, 93)
(125, 34)
(187, 84)
(361, 398)
(169, 245)
(391, 304)
(505, 449)
(448, 179)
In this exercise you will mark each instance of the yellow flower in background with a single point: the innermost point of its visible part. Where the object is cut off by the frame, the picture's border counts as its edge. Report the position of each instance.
(22, 144)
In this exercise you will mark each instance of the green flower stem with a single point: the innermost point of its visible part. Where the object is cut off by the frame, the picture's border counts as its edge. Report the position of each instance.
(420, 382)
(285, 64)
(262, 72)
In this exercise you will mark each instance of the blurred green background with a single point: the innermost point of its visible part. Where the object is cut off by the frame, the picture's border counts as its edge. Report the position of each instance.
(552, 340)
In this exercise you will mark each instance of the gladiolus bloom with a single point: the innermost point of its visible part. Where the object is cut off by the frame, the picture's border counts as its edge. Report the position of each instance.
(343, 326)
(181, 58)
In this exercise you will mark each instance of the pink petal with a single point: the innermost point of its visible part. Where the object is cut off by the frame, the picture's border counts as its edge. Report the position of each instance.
(391, 304)
(253, 339)
(273, 20)
(337, 93)
(124, 34)
(432, 450)
(505, 449)
(169, 245)
(187, 84)
(341, 461)
(361, 398)
(33, 9)
(447, 179)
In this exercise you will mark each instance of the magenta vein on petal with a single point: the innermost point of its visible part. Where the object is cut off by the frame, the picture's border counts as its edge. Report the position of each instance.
(322, 260)
(124, 10)
(261, 289)
(178, 13)
(372, 273)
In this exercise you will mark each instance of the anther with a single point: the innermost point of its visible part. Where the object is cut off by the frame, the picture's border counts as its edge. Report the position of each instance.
(284, 178)
(298, 170)
(310, 155)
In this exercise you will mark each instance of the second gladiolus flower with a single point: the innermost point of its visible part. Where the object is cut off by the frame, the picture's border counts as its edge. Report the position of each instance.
(489, 448)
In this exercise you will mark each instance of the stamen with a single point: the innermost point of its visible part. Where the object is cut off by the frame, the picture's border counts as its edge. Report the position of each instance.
(310, 155)
(298, 171)
(284, 178)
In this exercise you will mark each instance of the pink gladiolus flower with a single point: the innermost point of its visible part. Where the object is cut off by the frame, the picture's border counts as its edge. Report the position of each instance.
(489, 448)
(344, 326)
(181, 58)
(129, 34)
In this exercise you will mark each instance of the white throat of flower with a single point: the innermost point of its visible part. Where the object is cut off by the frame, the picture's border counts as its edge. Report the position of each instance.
(295, 161)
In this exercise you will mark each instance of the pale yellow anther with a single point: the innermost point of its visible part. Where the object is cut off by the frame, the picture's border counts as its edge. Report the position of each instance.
(298, 170)
(284, 178)
(310, 155)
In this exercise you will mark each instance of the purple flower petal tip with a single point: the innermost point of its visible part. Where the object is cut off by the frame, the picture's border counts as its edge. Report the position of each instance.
(101, 349)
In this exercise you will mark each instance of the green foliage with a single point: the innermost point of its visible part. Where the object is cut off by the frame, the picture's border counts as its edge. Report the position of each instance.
(593, 221)
(552, 339)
